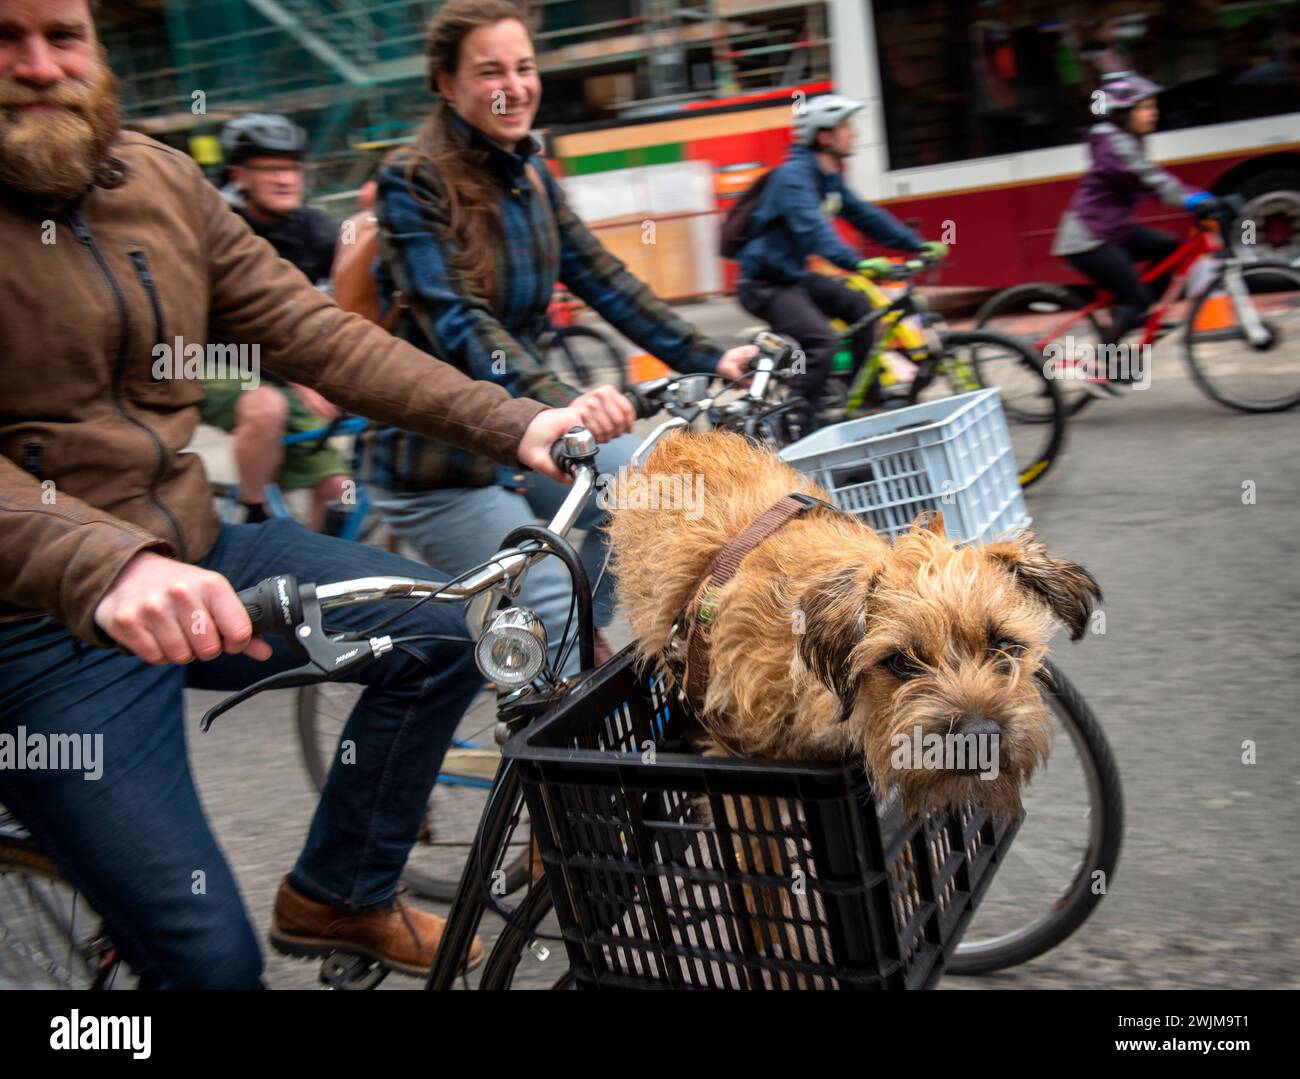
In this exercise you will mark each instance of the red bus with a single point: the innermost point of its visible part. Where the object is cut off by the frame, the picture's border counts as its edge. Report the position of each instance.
(976, 111)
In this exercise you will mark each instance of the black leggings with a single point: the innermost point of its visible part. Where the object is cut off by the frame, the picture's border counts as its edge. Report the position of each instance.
(1112, 267)
(803, 309)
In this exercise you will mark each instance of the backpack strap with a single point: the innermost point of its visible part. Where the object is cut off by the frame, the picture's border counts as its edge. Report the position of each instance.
(539, 185)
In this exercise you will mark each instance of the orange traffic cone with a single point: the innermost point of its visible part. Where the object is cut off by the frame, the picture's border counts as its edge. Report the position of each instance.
(642, 367)
(1215, 313)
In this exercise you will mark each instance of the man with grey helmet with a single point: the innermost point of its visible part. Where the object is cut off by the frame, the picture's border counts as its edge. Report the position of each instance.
(791, 222)
(266, 157)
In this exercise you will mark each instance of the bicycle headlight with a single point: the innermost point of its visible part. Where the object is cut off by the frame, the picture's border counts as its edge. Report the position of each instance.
(512, 650)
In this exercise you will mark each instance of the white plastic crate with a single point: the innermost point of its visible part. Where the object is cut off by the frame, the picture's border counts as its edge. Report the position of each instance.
(952, 455)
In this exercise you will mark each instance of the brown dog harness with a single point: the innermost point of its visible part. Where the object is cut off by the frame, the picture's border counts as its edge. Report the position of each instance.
(719, 571)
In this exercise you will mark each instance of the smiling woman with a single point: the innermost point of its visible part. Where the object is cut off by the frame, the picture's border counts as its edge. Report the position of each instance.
(481, 64)
(475, 235)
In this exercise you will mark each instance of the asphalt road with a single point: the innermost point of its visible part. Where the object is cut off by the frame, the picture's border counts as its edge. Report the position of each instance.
(1199, 655)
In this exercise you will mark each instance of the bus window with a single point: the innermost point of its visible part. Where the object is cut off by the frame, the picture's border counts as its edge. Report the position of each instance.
(964, 80)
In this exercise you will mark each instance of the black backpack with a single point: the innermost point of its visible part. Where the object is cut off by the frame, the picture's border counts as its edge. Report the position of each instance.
(735, 226)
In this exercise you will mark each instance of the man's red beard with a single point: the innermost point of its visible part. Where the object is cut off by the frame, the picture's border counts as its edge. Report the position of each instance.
(55, 153)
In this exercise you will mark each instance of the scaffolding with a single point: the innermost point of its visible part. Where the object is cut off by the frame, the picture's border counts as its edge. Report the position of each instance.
(352, 72)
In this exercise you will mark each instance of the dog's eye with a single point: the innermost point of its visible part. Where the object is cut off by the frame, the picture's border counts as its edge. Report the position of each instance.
(900, 665)
(1014, 649)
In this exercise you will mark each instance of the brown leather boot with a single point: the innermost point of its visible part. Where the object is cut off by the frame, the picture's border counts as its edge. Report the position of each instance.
(399, 936)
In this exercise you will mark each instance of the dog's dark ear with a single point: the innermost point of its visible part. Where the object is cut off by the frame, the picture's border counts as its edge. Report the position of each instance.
(931, 521)
(1068, 589)
(833, 613)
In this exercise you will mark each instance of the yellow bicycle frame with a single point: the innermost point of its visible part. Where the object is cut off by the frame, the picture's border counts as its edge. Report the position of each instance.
(895, 332)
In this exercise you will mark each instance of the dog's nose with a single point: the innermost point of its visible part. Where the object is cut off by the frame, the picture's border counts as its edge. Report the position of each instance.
(984, 730)
(978, 725)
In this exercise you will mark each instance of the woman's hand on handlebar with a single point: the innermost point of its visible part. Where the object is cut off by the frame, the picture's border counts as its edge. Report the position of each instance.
(735, 362)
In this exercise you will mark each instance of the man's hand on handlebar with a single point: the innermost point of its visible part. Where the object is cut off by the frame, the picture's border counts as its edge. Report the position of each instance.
(315, 402)
(605, 412)
(546, 429)
(166, 611)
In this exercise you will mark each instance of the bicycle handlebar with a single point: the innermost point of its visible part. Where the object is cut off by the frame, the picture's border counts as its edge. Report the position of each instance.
(283, 606)
(905, 271)
(275, 605)
(1221, 208)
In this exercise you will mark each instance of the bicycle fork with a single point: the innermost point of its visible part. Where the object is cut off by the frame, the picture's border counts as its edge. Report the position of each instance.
(1256, 333)
(468, 906)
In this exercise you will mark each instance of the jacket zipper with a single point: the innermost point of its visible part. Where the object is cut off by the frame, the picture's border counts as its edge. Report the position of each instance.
(32, 458)
(141, 264)
(87, 240)
(525, 205)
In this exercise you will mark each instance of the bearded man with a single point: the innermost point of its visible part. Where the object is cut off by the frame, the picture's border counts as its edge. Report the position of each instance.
(114, 243)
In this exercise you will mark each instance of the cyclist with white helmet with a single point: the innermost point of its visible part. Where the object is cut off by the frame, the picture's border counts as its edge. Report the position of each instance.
(266, 156)
(1097, 234)
(791, 221)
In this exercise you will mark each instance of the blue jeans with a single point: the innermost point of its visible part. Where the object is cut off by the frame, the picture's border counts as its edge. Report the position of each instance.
(135, 841)
(456, 528)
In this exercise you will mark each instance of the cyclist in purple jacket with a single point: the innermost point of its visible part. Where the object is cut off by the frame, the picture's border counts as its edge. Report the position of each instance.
(1097, 234)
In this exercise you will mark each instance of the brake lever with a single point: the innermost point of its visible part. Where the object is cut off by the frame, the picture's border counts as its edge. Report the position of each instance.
(327, 658)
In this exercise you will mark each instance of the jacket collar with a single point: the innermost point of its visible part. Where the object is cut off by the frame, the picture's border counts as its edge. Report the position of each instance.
(110, 173)
(510, 164)
(806, 154)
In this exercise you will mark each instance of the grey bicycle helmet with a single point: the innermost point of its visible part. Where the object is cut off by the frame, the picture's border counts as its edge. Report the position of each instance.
(262, 134)
(821, 114)
(1124, 89)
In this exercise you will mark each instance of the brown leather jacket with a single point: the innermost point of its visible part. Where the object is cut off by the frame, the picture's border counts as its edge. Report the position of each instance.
(92, 468)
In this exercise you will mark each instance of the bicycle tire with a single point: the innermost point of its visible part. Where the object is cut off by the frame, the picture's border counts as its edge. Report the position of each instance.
(315, 730)
(1073, 908)
(1269, 275)
(1014, 307)
(96, 958)
(601, 364)
(1036, 454)
(503, 962)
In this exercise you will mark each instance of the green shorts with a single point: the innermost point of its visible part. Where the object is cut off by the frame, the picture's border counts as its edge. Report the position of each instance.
(304, 465)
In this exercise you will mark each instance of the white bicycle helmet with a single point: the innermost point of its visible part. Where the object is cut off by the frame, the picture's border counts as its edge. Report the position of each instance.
(821, 114)
(1124, 89)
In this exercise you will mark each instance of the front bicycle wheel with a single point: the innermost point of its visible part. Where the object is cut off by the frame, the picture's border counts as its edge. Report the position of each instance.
(1033, 402)
(1051, 321)
(528, 946)
(1062, 861)
(1243, 337)
(456, 803)
(585, 358)
(50, 938)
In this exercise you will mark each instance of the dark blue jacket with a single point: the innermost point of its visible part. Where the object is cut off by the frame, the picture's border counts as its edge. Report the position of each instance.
(792, 222)
(496, 339)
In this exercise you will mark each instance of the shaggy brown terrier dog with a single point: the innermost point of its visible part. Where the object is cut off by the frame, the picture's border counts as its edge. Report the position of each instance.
(829, 642)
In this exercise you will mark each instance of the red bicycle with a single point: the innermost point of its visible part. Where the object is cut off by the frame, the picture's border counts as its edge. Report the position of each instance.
(1236, 324)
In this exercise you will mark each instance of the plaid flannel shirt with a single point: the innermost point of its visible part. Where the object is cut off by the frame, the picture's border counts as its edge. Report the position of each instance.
(542, 245)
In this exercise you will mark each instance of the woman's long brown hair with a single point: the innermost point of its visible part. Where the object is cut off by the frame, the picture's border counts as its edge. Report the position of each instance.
(466, 187)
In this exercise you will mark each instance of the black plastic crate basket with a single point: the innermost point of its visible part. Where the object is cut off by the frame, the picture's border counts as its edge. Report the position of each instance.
(672, 870)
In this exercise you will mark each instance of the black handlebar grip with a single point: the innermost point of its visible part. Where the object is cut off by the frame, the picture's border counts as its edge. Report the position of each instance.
(646, 398)
(640, 403)
(558, 457)
(273, 605)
